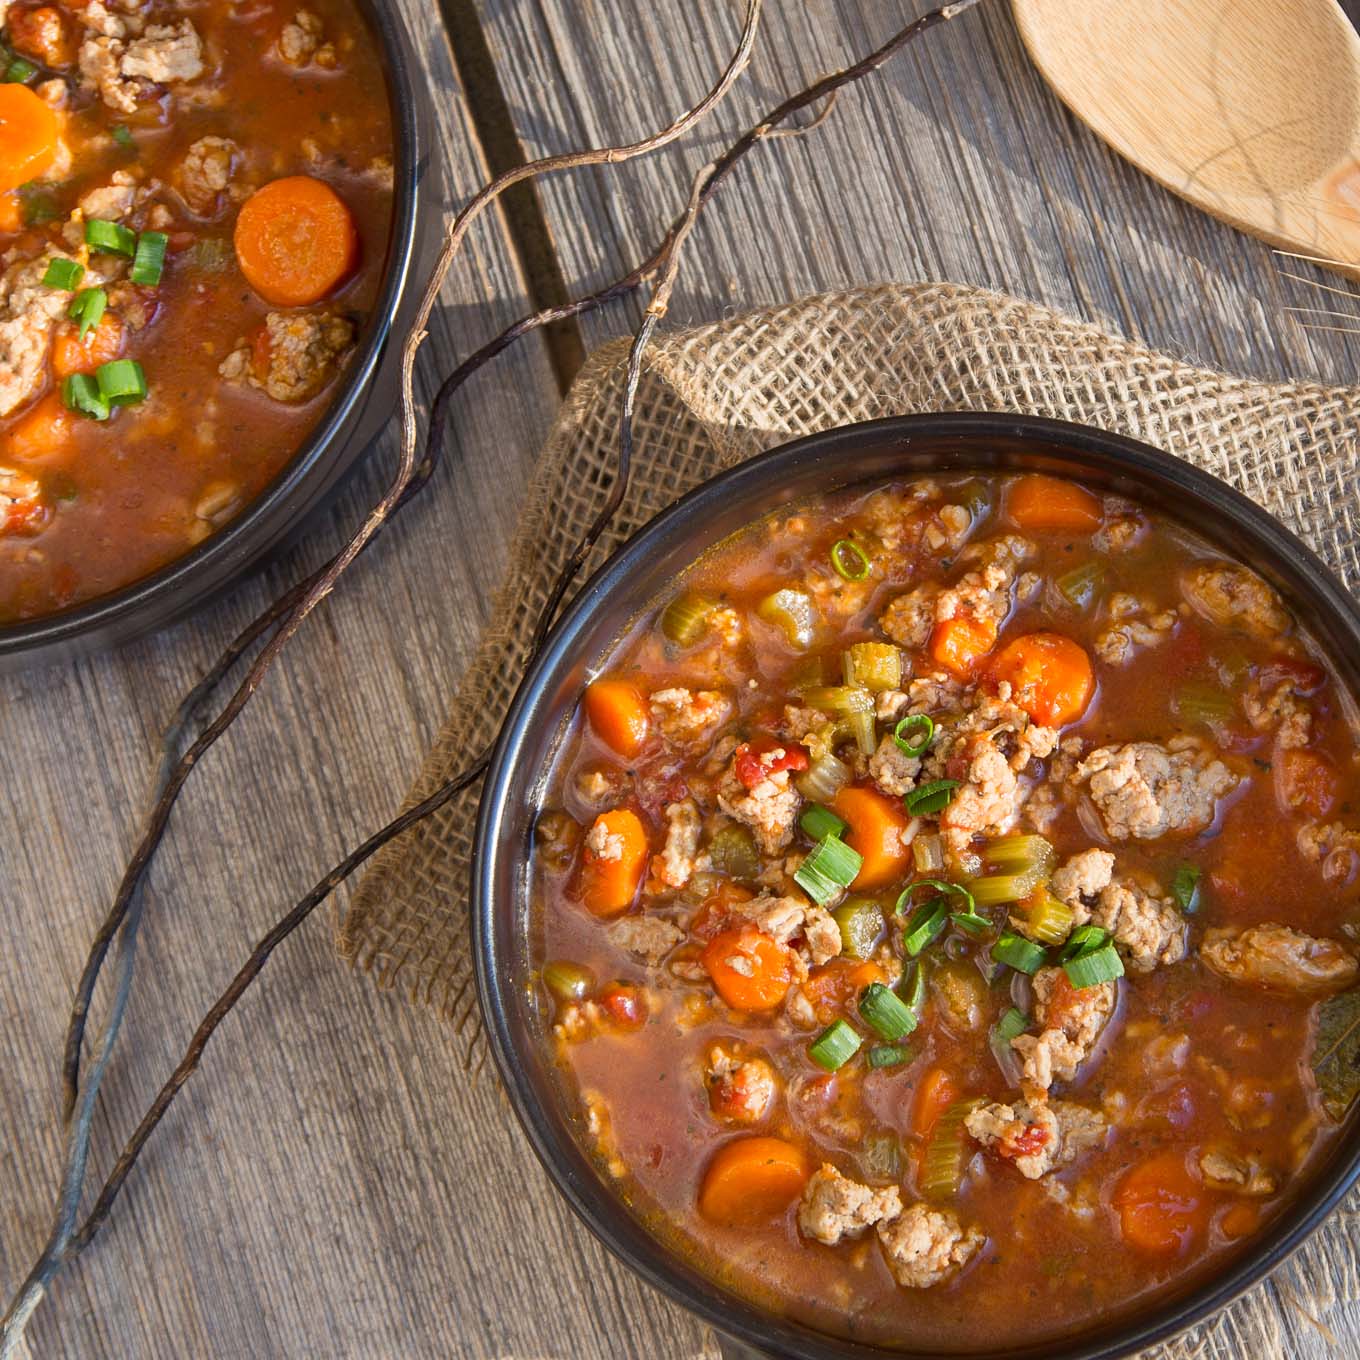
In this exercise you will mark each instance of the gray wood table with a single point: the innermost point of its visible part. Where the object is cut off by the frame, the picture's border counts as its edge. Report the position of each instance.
(332, 1184)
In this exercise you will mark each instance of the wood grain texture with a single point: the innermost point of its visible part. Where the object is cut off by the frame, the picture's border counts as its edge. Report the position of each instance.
(332, 1184)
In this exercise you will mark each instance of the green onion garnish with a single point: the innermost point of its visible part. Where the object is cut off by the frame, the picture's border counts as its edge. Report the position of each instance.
(1084, 940)
(912, 989)
(111, 237)
(122, 134)
(1090, 970)
(819, 822)
(121, 382)
(63, 274)
(80, 392)
(940, 885)
(19, 71)
(834, 1046)
(971, 922)
(849, 559)
(149, 260)
(1019, 953)
(923, 726)
(931, 798)
(87, 307)
(1011, 1025)
(829, 868)
(925, 925)
(888, 1055)
(1185, 887)
(885, 1013)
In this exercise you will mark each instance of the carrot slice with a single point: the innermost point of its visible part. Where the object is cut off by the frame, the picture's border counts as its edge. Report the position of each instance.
(71, 354)
(11, 211)
(1050, 677)
(610, 877)
(876, 826)
(43, 430)
(751, 970)
(1162, 1207)
(958, 644)
(28, 136)
(936, 1093)
(295, 241)
(752, 1179)
(618, 714)
(1040, 504)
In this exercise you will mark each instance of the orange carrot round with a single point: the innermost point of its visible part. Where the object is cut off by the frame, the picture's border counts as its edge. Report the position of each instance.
(1050, 677)
(71, 354)
(28, 136)
(937, 1091)
(752, 1179)
(751, 971)
(618, 714)
(1039, 504)
(876, 825)
(958, 644)
(613, 862)
(42, 432)
(1162, 1208)
(295, 241)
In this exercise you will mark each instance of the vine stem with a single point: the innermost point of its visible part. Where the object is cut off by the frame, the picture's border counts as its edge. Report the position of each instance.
(67, 1240)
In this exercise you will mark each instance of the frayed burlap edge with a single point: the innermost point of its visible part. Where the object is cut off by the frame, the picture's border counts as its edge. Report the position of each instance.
(713, 396)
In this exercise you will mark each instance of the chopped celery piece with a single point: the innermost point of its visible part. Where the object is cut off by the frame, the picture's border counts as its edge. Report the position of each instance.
(861, 923)
(1080, 586)
(792, 613)
(685, 620)
(844, 700)
(1048, 920)
(824, 778)
(942, 1166)
(733, 851)
(875, 666)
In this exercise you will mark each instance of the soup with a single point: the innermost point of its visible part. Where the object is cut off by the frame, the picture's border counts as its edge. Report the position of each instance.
(934, 902)
(195, 202)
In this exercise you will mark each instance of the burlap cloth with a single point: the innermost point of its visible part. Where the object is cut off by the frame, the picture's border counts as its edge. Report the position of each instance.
(714, 396)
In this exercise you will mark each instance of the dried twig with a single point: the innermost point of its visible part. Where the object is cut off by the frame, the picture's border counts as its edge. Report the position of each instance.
(286, 615)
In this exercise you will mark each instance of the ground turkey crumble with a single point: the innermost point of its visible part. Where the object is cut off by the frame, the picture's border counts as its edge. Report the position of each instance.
(301, 42)
(1280, 958)
(790, 920)
(1147, 928)
(834, 1207)
(649, 937)
(28, 312)
(924, 1246)
(1242, 1175)
(769, 807)
(1133, 623)
(1145, 790)
(125, 72)
(1234, 597)
(689, 719)
(205, 173)
(740, 1089)
(674, 866)
(1334, 846)
(1070, 1024)
(301, 353)
(1037, 1138)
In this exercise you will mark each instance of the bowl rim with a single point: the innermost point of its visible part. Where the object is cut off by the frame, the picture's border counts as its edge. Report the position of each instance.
(618, 1228)
(222, 556)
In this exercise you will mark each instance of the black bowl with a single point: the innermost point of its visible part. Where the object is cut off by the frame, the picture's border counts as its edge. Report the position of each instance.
(626, 585)
(362, 405)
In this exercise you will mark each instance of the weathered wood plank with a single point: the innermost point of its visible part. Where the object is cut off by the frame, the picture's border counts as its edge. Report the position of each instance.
(332, 1184)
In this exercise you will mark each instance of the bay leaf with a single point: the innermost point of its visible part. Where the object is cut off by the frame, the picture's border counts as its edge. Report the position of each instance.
(1336, 1052)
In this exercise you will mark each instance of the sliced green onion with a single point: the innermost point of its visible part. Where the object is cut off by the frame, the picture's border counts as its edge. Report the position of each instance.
(122, 382)
(971, 922)
(861, 925)
(850, 560)
(940, 885)
(1079, 586)
(1185, 887)
(685, 619)
(1084, 940)
(823, 779)
(1019, 953)
(63, 274)
(829, 868)
(792, 613)
(149, 261)
(875, 666)
(931, 797)
(885, 1013)
(113, 238)
(888, 1055)
(122, 134)
(87, 307)
(1202, 703)
(912, 988)
(19, 71)
(834, 1046)
(818, 822)
(925, 925)
(1011, 1025)
(1092, 969)
(80, 392)
(923, 726)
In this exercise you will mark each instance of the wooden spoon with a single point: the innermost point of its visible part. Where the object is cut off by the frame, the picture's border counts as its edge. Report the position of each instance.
(1250, 109)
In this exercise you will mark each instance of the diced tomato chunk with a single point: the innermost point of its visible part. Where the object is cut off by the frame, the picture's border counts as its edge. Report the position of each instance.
(753, 767)
(625, 1005)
